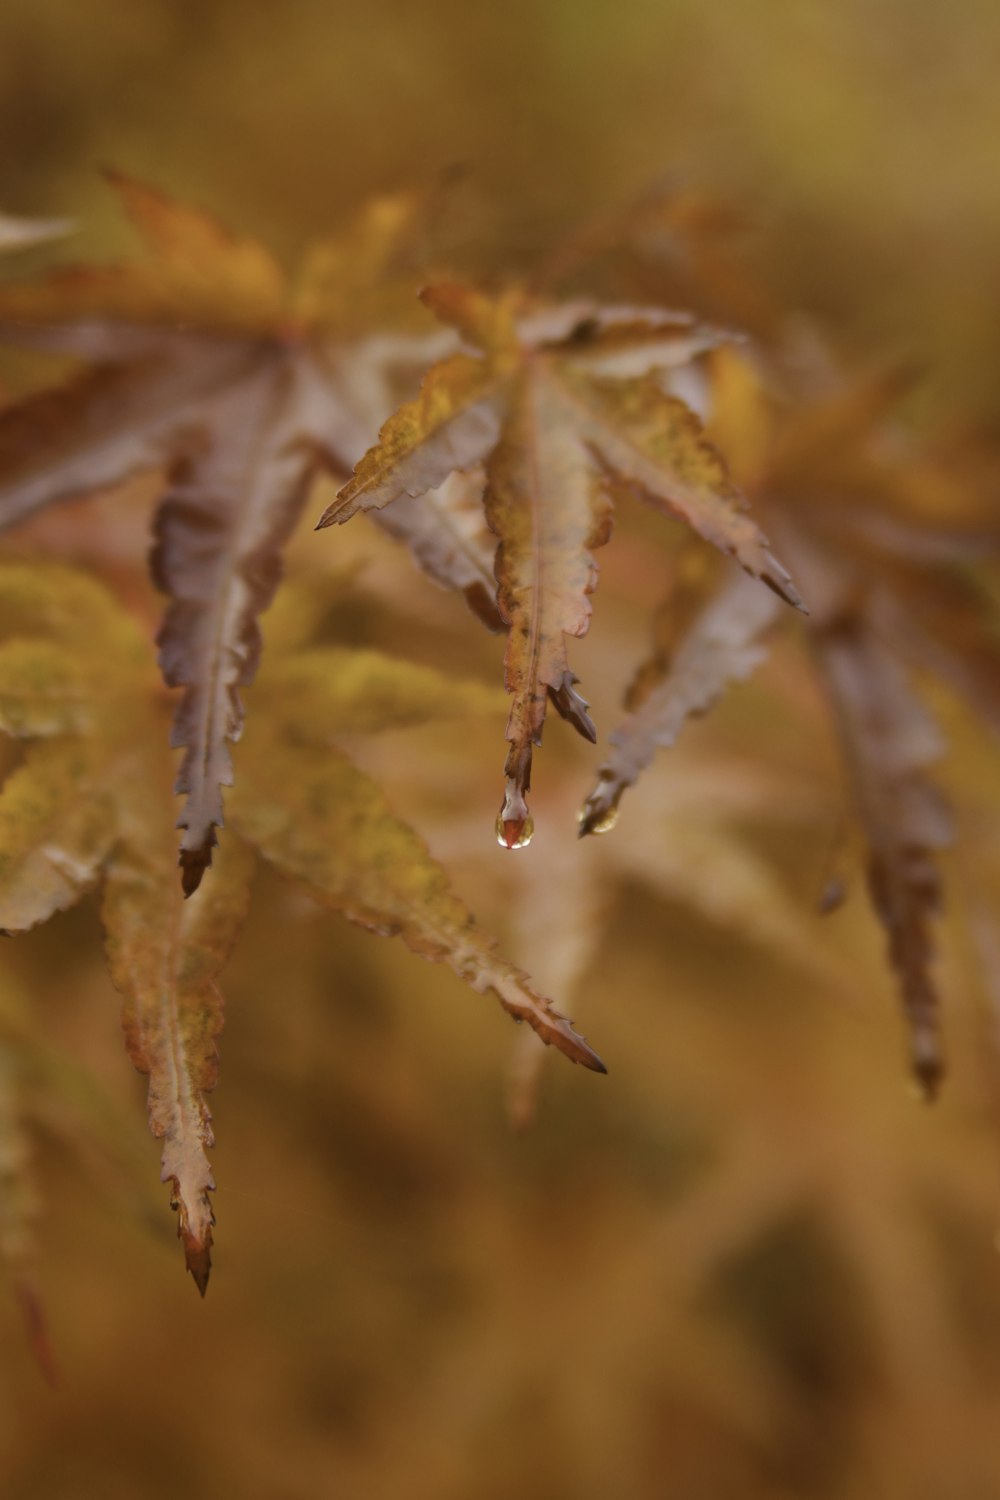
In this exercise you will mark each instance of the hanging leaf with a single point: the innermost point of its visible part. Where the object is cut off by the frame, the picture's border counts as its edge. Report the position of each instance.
(889, 591)
(724, 645)
(205, 360)
(890, 741)
(560, 408)
(89, 804)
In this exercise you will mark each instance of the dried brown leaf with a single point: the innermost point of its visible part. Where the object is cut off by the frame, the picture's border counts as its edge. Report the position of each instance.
(204, 360)
(890, 741)
(89, 804)
(887, 587)
(556, 433)
(165, 956)
(322, 822)
(724, 645)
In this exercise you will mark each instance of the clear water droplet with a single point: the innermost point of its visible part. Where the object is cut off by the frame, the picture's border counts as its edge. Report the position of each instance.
(514, 833)
(604, 823)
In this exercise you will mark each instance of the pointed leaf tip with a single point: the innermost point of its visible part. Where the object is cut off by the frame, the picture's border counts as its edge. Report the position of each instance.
(198, 1258)
(780, 583)
(193, 863)
(599, 813)
(927, 1064)
(572, 1044)
(573, 707)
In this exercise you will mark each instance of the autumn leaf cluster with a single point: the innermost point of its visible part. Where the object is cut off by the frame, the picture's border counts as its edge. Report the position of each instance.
(204, 364)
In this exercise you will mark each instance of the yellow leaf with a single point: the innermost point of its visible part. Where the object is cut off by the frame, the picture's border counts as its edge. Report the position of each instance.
(56, 829)
(94, 805)
(319, 820)
(452, 424)
(320, 694)
(44, 690)
(202, 362)
(201, 263)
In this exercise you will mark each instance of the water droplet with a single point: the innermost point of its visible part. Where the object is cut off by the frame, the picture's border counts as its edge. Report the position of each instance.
(514, 833)
(604, 823)
(607, 822)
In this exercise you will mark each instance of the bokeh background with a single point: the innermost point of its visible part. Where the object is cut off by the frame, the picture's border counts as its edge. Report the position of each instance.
(748, 1263)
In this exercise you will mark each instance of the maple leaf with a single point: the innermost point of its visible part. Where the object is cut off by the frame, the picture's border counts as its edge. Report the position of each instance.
(723, 645)
(561, 409)
(205, 359)
(89, 804)
(890, 593)
(448, 538)
(686, 851)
